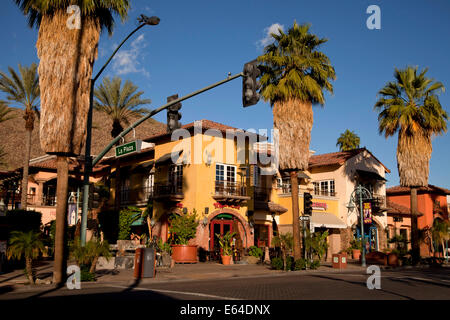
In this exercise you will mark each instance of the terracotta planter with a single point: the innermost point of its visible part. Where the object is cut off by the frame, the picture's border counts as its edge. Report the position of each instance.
(226, 260)
(356, 253)
(184, 253)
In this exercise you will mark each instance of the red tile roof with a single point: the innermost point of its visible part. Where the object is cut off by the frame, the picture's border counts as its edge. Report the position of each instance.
(206, 124)
(430, 188)
(395, 208)
(334, 158)
(338, 158)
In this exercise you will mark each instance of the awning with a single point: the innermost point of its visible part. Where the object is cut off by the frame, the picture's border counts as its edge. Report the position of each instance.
(326, 220)
(370, 175)
(142, 166)
(270, 206)
(168, 157)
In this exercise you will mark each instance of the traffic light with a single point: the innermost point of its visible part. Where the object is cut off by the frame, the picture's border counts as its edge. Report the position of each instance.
(173, 115)
(307, 203)
(250, 85)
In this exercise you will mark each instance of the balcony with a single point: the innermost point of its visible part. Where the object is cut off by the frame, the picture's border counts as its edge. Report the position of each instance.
(378, 203)
(136, 196)
(168, 191)
(48, 200)
(230, 191)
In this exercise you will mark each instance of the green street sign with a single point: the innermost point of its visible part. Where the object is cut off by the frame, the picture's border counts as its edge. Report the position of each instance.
(128, 148)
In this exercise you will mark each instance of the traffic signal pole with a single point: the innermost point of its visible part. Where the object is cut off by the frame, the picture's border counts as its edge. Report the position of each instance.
(91, 165)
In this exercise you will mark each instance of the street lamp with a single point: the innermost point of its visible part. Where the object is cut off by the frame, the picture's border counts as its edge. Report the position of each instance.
(143, 20)
(360, 193)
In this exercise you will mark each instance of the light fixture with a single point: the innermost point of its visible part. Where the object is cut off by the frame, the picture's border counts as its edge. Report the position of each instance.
(152, 222)
(184, 210)
(205, 221)
(206, 210)
(152, 21)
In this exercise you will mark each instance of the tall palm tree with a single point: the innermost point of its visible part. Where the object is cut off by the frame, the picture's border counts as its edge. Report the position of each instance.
(121, 104)
(294, 75)
(26, 244)
(67, 56)
(410, 107)
(348, 140)
(23, 89)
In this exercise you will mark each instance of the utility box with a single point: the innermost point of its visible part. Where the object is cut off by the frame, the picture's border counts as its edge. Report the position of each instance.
(145, 263)
(339, 260)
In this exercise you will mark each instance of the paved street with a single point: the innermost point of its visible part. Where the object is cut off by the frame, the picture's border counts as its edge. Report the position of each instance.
(302, 285)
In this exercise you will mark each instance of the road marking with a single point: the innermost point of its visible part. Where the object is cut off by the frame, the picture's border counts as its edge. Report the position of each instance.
(196, 294)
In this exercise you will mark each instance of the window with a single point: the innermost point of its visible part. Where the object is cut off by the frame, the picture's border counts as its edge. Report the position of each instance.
(225, 173)
(176, 176)
(256, 175)
(324, 188)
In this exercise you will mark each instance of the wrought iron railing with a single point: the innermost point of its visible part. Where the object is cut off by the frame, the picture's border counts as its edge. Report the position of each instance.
(228, 188)
(163, 189)
(48, 200)
(136, 195)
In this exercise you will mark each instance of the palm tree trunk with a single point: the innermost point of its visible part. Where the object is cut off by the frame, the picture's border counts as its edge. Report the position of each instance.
(295, 215)
(414, 228)
(29, 267)
(93, 265)
(61, 221)
(24, 195)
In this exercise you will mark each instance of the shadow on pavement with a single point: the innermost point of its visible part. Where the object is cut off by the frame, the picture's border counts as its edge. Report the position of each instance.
(362, 284)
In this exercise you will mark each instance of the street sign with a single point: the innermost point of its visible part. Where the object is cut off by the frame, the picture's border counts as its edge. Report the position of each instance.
(128, 148)
(304, 218)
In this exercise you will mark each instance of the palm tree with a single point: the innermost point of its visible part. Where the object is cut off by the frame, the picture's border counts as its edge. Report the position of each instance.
(294, 75)
(410, 107)
(26, 244)
(67, 57)
(23, 89)
(5, 111)
(348, 141)
(439, 233)
(121, 104)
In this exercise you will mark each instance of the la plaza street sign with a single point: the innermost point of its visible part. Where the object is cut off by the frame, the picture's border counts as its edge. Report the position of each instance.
(128, 148)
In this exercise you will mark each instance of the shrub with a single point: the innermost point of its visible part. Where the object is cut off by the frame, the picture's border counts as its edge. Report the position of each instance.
(255, 252)
(314, 265)
(300, 264)
(184, 227)
(289, 263)
(126, 218)
(277, 263)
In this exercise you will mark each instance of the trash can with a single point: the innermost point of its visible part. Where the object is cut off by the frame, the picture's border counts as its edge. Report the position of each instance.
(339, 260)
(145, 263)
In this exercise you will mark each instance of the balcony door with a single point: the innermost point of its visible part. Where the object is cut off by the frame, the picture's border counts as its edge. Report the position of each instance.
(176, 178)
(225, 178)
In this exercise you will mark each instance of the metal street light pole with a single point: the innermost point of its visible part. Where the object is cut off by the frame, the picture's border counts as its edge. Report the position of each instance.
(363, 194)
(87, 155)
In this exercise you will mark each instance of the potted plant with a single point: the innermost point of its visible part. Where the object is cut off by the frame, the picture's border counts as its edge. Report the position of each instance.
(355, 247)
(225, 245)
(184, 228)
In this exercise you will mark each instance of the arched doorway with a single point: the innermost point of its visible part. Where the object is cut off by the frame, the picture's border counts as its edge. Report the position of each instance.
(224, 221)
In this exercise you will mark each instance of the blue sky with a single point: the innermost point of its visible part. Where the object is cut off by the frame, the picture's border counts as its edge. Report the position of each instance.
(198, 42)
